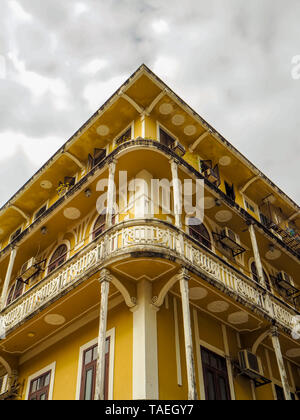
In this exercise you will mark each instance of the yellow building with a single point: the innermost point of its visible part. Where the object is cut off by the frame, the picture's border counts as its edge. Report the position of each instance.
(145, 300)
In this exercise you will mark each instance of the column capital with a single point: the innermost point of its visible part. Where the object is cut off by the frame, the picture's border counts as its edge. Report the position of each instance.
(274, 332)
(105, 276)
(183, 274)
(112, 161)
(173, 162)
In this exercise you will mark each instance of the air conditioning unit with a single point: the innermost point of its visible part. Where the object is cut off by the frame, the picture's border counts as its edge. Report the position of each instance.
(178, 148)
(229, 234)
(284, 280)
(249, 363)
(211, 175)
(28, 269)
(3, 384)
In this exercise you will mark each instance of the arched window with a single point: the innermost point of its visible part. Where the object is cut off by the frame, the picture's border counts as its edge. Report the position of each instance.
(58, 258)
(200, 233)
(15, 291)
(99, 225)
(256, 277)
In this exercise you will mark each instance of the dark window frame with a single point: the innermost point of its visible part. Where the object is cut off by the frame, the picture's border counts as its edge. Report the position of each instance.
(201, 234)
(43, 390)
(216, 373)
(165, 138)
(57, 260)
(92, 366)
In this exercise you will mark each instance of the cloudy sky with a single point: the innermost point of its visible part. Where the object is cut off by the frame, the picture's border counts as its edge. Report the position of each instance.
(230, 60)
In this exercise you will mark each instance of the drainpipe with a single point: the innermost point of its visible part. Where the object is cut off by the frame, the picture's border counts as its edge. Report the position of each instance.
(105, 279)
(8, 277)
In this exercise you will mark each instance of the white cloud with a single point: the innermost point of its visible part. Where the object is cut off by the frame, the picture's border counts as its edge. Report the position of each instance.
(96, 93)
(94, 66)
(37, 151)
(160, 27)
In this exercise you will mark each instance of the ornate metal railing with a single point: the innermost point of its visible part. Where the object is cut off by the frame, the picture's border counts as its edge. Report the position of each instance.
(144, 235)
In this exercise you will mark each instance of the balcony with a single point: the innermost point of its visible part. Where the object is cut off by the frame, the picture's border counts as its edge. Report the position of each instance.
(272, 218)
(210, 172)
(159, 238)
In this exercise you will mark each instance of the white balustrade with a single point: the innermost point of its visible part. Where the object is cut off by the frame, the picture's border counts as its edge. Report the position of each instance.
(142, 235)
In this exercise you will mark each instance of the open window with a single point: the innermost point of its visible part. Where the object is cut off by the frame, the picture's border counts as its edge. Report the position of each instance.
(230, 191)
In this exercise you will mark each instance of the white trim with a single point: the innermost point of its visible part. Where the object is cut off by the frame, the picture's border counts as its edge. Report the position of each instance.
(198, 355)
(48, 368)
(111, 334)
(228, 362)
(177, 343)
(254, 205)
(145, 382)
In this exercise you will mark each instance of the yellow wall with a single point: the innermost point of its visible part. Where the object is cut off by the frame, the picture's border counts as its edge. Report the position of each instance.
(66, 355)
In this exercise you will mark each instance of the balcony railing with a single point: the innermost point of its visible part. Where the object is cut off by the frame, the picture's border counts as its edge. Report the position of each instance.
(142, 236)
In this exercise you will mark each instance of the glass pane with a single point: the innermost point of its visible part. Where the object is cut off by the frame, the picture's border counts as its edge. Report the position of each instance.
(47, 380)
(43, 397)
(33, 399)
(95, 353)
(88, 357)
(33, 386)
(107, 346)
(39, 383)
(223, 389)
(88, 385)
(205, 357)
(213, 362)
(211, 393)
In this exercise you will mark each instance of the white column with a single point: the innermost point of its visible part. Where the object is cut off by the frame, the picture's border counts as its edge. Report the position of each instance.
(105, 279)
(280, 362)
(176, 193)
(257, 259)
(145, 363)
(110, 192)
(8, 276)
(189, 353)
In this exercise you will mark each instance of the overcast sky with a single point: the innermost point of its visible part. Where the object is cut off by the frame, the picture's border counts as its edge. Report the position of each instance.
(230, 60)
